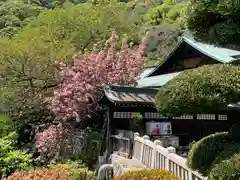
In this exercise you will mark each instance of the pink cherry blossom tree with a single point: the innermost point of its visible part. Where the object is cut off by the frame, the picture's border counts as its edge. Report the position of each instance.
(82, 84)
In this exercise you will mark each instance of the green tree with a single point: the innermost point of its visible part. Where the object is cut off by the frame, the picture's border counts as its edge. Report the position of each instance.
(169, 12)
(28, 58)
(140, 7)
(215, 21)
(164, 23)
(51, 4)
(160, 39)
(14, 14)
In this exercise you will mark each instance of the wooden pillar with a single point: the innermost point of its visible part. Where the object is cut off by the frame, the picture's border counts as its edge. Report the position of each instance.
(111, 129)
(109, 116)
(143, 132)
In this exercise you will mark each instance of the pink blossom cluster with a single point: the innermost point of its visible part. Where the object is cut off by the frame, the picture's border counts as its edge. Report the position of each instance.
(48, 140)
(83, 82)
(57, 140)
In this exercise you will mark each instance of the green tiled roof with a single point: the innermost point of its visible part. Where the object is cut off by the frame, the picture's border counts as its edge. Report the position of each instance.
(223, 55)
(156, 81)
(146, 71)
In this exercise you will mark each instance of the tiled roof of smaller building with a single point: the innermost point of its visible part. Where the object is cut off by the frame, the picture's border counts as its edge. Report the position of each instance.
(130, 94)
(134, 95)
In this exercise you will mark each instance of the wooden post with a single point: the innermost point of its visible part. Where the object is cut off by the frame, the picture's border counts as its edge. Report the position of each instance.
(109, 146)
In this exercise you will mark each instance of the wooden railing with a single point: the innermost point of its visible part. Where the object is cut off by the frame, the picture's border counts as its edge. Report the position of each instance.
(154, 156)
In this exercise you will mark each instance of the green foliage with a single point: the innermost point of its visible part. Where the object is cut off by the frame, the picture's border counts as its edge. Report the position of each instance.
(137, 116)
(215, 21)
(228, 169)
(8, 142)
(135, 122)
(15, 160)
(6, 125)
(147, 174)
(229, 150)
(86, 24)
(160, 41)
(77, 170)
(192, 144)
(51, 4)
(170, 12)
(211, 153)
(154, 15)
(163, 24)
(204, 89)
(204, 152)
(234, 132)
(90, 149)
(140, 7)
(53, 36)
(14, 15)
(12, 159)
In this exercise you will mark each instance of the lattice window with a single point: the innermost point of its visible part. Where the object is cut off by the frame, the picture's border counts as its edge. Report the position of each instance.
(185, 116)
(122, 115)
(222, 117)
(206, 116)
(151, 115)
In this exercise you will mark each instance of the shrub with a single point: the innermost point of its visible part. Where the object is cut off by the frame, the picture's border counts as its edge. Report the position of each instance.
(15, 160)
(149, 174)
(204, 89)
(5, 125)
(234, 132)
(55, 172)
(228, 169)
(204, 152)
(229, 150)
(12, 159)
(214, 21)
(77, 170)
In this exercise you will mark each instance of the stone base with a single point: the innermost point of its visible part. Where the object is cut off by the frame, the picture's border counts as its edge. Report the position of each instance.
(122, 165)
